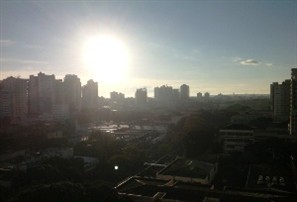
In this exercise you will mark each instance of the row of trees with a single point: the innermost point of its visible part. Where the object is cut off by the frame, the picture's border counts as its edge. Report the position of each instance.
(111, 153)
(195, 134)
(65, 191)
(58, 179)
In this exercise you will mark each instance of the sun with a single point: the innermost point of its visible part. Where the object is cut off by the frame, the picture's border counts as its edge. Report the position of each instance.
(107, 57)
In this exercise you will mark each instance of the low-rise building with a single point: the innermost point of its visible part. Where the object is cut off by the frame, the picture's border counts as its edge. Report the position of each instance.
(189, 171)
(236, 137)
(55, 134)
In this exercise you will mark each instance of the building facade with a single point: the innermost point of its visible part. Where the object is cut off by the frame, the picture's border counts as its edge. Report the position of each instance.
(117, 97)
(280, 100)
(141, 96)
(166, 95)
(90, 95)
(236, 137)
(14, 99)
(72, 86)
(207, 96)
(184, 92)
(293, 102)
(42, 94)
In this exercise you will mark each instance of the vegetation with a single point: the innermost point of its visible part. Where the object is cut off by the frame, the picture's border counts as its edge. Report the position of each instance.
(49, 171)
(66, 191)
(57, 179)
(195, 135)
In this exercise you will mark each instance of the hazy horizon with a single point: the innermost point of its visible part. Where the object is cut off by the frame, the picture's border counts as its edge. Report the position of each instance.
(224, 47)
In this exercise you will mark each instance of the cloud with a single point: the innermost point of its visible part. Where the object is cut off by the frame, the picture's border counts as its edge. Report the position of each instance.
(193, 55)
(6, 42)
(269, 64)
(22, 61)
(250, 62)
(176, 53)
(19, 64)
(33, 46)
(234, 59)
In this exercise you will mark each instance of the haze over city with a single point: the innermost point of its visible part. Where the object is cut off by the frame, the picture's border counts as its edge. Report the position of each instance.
(148, 100)
(214, 46)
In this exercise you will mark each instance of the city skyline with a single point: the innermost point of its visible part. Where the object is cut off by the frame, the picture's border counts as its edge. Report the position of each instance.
(212, 46)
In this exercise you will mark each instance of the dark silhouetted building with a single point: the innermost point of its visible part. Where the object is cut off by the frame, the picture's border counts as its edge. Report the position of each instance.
(14, 99)
(42, 93)
(293, 102)
(163, 93)
(141, 96)
(184, 92)
(206, 96)
(236, 137)
(116, 96)
(90, 95)
(280, 100)
(72, 87)
(199, 96)
(60, 92)
(166, 94)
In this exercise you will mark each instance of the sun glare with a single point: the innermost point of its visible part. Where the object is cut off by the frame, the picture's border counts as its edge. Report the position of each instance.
(107, 57)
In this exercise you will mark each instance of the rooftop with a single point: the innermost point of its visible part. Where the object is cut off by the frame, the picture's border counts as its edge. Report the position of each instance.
(188, 168)
(138, 187)
(237, 127)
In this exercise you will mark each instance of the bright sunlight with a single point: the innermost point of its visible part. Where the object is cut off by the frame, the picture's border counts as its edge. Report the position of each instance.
(107, 57)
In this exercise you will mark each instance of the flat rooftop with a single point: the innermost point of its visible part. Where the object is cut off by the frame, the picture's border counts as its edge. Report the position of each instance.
(143, 188)
(187, 168)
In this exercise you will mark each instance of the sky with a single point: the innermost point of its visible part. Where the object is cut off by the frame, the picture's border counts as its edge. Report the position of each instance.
(224, 46)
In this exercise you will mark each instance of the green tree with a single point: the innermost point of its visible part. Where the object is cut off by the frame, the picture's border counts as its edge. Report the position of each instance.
(58, 192)
(196, 142)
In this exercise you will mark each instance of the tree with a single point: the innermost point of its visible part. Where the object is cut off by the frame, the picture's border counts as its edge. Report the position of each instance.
(58, 192)
(196, 142)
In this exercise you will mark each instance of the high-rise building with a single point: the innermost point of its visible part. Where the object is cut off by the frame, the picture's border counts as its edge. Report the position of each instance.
(166, 95)
(141, 96)
(33, 96)
(60, 92)
(42, 94)
(60, 110)
(72, 87)
(280, 100)
(163, 93)
(199, 96)
(184, 92)
(116, 96)
(206, 96)
(175, 94)
(293, 102)
(272, 87)
(46, 91)
(90, 95)
(5, 102)
(14, 99)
